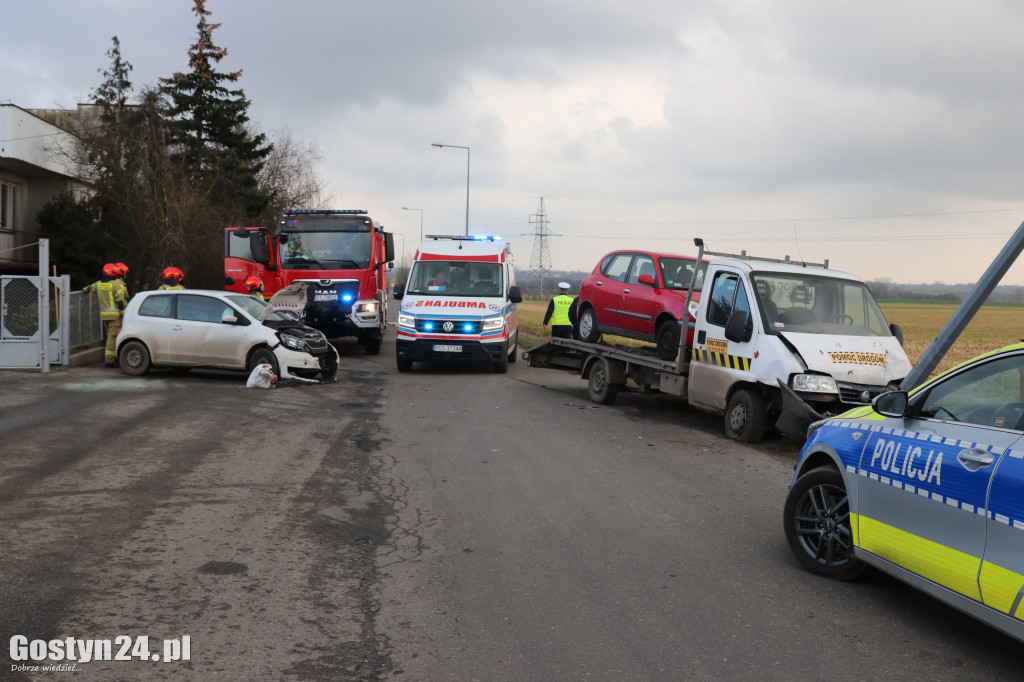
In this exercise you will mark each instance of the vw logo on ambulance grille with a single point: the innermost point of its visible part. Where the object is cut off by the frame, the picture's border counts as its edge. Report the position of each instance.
(448, 326)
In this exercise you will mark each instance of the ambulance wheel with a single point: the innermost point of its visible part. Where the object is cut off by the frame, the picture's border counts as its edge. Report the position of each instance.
(501, 366)
(817, 524)
(134, 358)
(513, 356)
(600, 390)
(667, 340)
(745, 416)
(263, 356)
(404, 364)
(589, 331)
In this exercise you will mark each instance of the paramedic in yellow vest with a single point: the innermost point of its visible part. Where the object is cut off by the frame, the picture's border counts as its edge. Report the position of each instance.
(558, 313)
(113, 298)
(171, 278)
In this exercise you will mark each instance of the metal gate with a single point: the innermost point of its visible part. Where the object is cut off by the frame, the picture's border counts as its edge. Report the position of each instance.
(21, 341)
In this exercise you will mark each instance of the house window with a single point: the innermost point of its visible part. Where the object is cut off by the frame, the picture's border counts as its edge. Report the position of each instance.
(8, 204)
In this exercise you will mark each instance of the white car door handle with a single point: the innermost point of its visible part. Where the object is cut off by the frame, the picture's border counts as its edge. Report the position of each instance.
(974, 459)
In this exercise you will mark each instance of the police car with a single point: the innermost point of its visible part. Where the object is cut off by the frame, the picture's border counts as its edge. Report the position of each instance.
(926, 486)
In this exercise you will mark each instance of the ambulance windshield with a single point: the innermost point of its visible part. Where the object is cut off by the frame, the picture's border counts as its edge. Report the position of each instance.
(455, 278)
(811, 304)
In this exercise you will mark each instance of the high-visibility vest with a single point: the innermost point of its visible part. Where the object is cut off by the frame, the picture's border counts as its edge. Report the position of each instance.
(560, 315)
(109, 294)
(168, 286)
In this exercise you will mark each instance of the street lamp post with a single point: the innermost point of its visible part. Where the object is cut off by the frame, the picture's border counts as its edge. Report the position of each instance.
(456, 146)
(421, 218)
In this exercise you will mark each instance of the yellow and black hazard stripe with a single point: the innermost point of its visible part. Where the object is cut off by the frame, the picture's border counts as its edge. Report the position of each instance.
(722, 359)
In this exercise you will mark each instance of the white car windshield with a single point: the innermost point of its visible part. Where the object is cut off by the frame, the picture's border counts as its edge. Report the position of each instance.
(812, 304)
(455, 278)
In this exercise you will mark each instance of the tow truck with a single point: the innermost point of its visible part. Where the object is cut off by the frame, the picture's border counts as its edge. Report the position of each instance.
(775, 341)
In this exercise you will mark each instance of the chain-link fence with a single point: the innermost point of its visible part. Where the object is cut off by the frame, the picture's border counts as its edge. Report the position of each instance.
(84, 325)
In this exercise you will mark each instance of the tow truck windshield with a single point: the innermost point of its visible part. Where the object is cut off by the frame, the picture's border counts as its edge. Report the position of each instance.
(455, 278)
(811, 304)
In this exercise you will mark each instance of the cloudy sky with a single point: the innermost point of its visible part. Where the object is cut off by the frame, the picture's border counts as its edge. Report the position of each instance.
(885, 137)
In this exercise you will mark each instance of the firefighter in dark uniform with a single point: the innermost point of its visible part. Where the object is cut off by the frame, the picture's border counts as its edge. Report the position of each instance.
(113, 298)
(558, 313)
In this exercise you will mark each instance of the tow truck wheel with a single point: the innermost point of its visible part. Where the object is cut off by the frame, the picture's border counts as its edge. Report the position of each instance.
(817, 524)
(745, 416)
(667, 340)
(600, 390)
(589, 332)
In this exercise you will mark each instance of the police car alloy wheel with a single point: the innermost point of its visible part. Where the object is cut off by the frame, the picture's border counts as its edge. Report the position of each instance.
(817, 524)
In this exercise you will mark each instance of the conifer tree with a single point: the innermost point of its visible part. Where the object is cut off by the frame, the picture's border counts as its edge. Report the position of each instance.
(207, 127)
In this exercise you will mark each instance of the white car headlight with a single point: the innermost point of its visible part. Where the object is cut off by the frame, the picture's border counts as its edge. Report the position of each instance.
(814, 383)
(293, 342)
(491, 324)
(406, 321)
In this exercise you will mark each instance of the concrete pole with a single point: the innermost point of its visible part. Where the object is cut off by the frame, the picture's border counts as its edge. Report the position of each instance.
(44, 305)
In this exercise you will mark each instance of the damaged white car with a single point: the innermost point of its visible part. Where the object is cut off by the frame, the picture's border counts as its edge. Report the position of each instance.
(183, 329)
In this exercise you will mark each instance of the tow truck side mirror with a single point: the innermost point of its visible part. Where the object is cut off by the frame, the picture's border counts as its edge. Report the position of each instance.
(740, 327)
(515, 295)
(897, 331)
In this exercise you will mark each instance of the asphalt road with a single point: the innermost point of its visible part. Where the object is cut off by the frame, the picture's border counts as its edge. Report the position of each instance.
(448, 524)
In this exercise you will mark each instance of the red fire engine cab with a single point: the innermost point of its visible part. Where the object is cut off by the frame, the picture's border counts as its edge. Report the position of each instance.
(341, 256)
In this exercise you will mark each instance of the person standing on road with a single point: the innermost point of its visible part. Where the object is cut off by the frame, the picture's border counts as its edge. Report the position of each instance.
(171, 278)
(122, 275)
(558, 313)
(113, 298)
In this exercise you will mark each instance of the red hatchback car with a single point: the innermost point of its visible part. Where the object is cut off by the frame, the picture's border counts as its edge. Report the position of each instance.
(639, 294)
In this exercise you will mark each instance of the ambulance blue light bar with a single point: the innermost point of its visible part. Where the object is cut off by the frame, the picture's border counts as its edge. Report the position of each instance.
(324, 212)
(464, 238)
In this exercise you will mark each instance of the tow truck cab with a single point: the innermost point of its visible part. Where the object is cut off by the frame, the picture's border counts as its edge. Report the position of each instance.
(777, 341)
(459, 303)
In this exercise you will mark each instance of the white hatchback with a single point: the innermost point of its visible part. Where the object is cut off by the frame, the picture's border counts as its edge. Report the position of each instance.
(188, 328)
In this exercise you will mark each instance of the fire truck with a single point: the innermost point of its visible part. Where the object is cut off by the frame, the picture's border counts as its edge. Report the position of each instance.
(335, 260)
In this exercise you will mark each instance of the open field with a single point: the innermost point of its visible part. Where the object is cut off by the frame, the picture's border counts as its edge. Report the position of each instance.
(996, 325)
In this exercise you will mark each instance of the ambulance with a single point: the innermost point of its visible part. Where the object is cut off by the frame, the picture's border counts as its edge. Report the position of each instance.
(459, 303)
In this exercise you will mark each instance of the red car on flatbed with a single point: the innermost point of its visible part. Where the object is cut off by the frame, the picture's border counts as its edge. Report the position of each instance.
(640, 295)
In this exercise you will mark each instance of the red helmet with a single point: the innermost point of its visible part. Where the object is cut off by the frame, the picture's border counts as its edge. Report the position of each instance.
(122, 269)
(172, 273)
(253, 283)
(110, 270)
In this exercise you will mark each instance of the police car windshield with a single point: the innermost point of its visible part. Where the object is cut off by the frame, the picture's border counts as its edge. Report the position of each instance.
(812, 304)
(455, 278)
(327, 250)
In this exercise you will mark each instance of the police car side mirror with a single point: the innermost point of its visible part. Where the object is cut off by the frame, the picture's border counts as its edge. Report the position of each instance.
(740, 327)
(892, 404)
(515, 295)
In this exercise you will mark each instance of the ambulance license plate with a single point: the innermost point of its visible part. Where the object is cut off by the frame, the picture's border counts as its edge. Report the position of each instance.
(447, 349)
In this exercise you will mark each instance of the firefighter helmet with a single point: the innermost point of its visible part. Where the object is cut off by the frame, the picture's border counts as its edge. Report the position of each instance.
(253, 283)
(110, 270)
(172, 273)
(122, 269)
